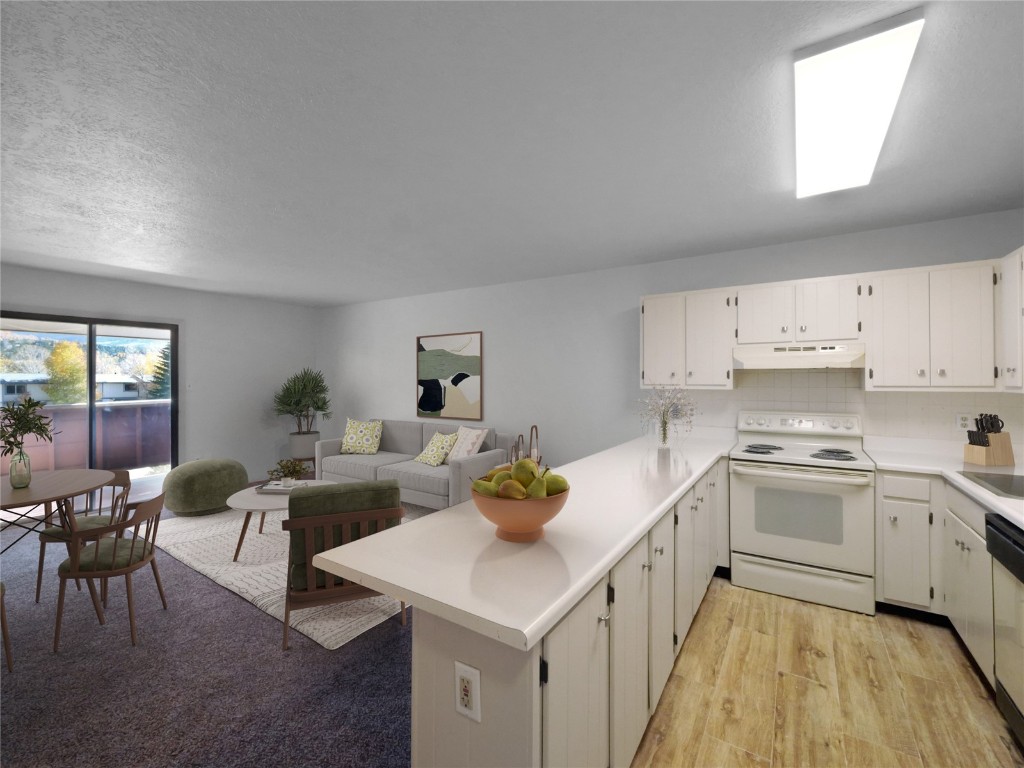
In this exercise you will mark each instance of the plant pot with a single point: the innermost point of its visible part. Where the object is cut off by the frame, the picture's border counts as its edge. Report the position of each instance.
(302, 445)
(21, 470)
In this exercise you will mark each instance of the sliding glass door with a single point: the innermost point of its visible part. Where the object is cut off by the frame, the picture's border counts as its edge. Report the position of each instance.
(109, 387)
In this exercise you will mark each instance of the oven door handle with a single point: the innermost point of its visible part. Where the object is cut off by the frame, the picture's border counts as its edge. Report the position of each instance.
(836, 478)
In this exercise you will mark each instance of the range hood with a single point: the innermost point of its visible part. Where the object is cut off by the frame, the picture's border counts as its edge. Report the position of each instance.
(768, 356)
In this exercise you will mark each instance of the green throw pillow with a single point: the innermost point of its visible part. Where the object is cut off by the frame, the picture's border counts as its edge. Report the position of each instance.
(362, 436)
(438, 447)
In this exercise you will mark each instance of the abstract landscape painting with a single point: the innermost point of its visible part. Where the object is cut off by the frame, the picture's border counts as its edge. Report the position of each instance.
(449, 376)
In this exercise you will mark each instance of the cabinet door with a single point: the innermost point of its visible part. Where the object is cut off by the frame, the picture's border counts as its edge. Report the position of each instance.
(980, 638)
(702, 541)
(719, 490)
(826, 310)
(685, 608)
(954, 572)
(664, 320)
(906, 552)
(575, 697)
(1011, 320)
(629, 654)
(962, 326)
(710, 335)
(662, 575)
(898, 352)
(765, 315)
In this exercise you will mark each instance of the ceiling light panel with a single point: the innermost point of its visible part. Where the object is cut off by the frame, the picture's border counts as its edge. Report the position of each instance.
(845, 100)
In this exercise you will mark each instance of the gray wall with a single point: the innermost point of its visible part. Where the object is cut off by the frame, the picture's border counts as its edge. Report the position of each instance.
(235, 353)
(560, 353)
(564, 353)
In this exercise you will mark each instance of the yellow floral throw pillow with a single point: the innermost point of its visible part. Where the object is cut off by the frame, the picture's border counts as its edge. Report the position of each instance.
(438, 447)
(362, 436)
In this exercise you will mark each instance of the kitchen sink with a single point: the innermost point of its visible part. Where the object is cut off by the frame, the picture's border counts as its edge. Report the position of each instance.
(1009, 486)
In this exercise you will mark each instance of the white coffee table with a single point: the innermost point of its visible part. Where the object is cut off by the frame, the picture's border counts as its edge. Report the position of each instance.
(250, 501)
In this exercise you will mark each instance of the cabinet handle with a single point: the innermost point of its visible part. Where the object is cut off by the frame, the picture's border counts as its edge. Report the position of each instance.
(711, 485)
(604, 619)
(647, 566)
(693, 507)
(672, 375)
(893, 519)
(690, 374)
(785, 329)
(659, 550)
(942, 371)
(700, 499)
(803, 328)
(964, 547)
(920, 371)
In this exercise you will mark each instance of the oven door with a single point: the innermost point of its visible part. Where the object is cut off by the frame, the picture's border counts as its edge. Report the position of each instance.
(811, 515)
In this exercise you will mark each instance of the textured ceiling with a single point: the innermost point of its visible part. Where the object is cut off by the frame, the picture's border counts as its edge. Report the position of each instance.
(331, 152)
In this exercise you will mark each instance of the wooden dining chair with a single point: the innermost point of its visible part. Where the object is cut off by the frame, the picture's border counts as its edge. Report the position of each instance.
(3, 628)
(322, 517)
(110, 505)
(110, 551)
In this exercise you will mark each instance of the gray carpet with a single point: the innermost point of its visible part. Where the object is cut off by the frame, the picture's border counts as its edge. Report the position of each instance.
(207, 685)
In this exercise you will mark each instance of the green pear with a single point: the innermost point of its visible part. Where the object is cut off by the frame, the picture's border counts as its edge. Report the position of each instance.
(524, 471)
(485, 488)
(510, 489)
(501, 477)
(496, 470)
(538, 489)
(556, 484)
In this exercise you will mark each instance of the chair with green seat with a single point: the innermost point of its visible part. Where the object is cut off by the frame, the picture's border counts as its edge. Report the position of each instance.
(98, 515)
(115, 550)
(326, 516)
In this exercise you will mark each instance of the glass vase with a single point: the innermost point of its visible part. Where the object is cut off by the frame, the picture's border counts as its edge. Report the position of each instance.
(21, 470)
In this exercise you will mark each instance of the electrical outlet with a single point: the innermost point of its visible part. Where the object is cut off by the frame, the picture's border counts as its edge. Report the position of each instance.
(467, 691)
(963, 421)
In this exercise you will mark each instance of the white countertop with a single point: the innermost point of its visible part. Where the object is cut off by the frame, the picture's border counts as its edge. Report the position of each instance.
(946, 458)
(449, 563)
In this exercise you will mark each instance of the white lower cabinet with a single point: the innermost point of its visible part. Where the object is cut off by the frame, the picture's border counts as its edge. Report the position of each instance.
(904, 531)
(661, 556)
(629, 653)
(685, 608)
(575, 696)
(967, 575)
(703, 541)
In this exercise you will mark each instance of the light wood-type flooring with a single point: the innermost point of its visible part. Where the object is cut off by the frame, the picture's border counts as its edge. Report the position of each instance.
(764, 681)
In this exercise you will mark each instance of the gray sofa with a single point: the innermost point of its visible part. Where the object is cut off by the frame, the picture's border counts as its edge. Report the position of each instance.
(400, 443)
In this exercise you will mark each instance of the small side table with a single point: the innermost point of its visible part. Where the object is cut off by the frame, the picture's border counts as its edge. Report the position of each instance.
(251, 501)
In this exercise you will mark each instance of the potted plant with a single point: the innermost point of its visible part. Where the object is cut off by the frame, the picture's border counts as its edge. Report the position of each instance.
(18, 421)
(303, 396)
(293, 469)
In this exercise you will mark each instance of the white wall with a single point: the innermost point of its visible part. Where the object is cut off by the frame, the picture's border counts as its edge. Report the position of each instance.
(564, 353)
(234, 354)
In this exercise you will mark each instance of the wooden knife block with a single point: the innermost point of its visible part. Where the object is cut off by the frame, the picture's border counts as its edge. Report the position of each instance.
(998, 452)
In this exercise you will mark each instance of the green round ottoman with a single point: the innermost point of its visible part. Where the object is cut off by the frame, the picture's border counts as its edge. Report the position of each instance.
(202, 487)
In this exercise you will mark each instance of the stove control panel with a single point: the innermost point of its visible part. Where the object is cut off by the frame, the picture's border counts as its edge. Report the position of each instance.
(799, 423)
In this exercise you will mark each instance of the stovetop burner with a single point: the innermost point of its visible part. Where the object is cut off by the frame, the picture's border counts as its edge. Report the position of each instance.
(765, 446)
(758, 451)
(834, 456)
(840, 451)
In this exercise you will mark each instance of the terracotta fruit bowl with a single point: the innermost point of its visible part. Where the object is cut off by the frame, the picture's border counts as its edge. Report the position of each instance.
(519, 520)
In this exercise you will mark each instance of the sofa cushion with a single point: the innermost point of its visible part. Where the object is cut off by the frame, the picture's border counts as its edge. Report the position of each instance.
(468, 443)
(418, 477)
(359, 466)
(437, 449)
(361, 437)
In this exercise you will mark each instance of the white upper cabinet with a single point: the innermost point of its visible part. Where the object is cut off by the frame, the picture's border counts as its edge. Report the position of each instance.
(826, 310)
(932, 328)
(710, 335)
(1011, 320)
(808, 311)
(765, 314)
(664, 336)
(962, 326)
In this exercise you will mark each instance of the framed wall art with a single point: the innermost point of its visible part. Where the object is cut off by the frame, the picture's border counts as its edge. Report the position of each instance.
(450, 376)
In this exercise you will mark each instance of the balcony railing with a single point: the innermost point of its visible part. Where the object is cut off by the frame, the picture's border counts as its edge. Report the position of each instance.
(129, 434)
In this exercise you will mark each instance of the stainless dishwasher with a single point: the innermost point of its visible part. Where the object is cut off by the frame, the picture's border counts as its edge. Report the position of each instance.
(1005, 542)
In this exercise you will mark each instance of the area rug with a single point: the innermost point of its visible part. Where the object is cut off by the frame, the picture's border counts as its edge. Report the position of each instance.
(207, 544)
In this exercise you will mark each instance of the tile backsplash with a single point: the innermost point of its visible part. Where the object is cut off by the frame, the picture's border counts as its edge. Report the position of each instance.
(886, 414)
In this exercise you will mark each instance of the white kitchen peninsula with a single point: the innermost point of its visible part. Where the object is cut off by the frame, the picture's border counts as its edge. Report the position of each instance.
(489, 604)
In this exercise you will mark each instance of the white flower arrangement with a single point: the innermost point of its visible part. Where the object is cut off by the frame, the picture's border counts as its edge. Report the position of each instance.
(665, 407)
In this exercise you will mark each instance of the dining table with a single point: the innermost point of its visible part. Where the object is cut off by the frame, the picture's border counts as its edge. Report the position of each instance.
(54, 490)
